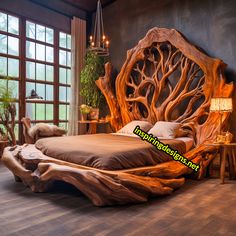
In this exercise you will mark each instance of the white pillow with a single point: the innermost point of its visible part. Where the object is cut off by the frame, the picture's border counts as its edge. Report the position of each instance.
(165, 129)
(129, 128)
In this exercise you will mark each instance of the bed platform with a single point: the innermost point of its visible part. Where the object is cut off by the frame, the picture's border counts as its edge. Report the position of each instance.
(164, 78)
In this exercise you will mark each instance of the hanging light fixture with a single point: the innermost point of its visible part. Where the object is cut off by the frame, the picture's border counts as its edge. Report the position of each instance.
(98, 41)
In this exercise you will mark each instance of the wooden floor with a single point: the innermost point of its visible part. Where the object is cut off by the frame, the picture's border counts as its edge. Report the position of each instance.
(199, 208)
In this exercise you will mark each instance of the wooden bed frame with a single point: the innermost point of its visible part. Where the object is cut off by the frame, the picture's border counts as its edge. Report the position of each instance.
(163, 78)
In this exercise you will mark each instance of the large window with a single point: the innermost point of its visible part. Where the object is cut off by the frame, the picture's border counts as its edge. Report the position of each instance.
(10, 56)
(38, 58)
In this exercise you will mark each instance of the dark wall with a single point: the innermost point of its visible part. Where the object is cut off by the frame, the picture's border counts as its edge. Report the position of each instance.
(210, 24)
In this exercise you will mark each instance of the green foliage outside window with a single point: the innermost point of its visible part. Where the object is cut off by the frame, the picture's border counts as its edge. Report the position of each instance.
(7, 111)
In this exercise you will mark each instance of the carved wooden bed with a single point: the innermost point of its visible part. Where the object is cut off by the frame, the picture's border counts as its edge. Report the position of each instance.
(164, 78)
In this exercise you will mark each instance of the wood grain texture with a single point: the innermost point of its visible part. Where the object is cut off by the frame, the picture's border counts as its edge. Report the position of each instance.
(166, 78)
(105, 187)
(162, 75)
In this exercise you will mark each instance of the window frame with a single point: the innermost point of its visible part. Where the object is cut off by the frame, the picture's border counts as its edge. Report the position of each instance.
(65, 85)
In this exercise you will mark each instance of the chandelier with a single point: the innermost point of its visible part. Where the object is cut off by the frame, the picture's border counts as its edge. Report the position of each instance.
(98, 41)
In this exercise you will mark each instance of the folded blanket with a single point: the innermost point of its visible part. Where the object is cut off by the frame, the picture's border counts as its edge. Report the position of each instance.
(45, 130)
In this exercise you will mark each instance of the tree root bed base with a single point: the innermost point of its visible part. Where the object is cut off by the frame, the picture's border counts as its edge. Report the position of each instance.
(102, 187)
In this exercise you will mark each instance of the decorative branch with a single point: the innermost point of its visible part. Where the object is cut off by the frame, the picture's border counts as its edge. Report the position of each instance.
(104, 84)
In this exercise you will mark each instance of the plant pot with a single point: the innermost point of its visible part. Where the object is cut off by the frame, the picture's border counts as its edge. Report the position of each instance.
(84, 116)
(94, 114)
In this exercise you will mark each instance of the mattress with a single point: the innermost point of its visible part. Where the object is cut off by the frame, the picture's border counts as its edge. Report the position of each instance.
(189, 142)
(107, 151)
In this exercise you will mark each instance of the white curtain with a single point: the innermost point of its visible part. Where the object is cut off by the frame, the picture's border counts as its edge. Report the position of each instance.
(78, 37)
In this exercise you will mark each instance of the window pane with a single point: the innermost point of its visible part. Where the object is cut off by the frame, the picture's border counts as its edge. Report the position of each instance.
(62, 40)
(69, 59)
(17, 110)
(16, 131)
(29, 88)
(13, 46)
(49, 92)
(49, 73)
(30, 70)
(3, 67)
(14, 86)
(3, 43)
(40, 111)
(30, 110)
(62, 75)
(49, 54)
(68, 76)
(40, 71)
(63, 125)
(3, 128)
(30, 49)
(62, 112)
(62, 93)
(68, 94)
(49, 113)
(40, 33)
(67, 111)
(3, 21)
(13, 67)
(40, 90)
(49, 35)
(62, 57)
(13, 25)
(68, 41)
(30, 30)
(3, 82)
(40, 52)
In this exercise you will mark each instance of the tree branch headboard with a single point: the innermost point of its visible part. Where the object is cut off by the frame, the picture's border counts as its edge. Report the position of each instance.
(167, 78)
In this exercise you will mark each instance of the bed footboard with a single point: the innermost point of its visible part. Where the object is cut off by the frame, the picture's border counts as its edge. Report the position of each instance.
(102, 187)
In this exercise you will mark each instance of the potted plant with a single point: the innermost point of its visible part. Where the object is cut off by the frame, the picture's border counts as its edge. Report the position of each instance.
(85, 110)
(93, 69)
(7, 112)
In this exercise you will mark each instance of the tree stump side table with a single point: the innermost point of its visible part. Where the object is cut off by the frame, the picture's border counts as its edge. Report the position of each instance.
(227, 152)
(93, 125)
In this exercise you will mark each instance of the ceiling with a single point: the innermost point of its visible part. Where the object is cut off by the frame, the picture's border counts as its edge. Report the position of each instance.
(88, 5)
(72, 7)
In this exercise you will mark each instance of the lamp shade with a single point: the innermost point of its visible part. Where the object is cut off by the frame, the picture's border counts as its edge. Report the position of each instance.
(221, 104)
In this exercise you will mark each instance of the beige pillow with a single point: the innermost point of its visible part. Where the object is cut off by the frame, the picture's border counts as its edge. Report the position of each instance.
(45, 130)
(129, 128)
(165, 129)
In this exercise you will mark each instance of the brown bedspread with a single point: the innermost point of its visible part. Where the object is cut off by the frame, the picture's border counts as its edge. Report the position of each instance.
(107, 151)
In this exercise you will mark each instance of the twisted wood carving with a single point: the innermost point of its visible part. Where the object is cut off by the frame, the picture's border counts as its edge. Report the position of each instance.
(166, 78)
(163, 78)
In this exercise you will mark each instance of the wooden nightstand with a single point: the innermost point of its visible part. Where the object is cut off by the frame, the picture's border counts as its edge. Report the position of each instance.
(227, 150)
(3, 144)
(93, 125)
